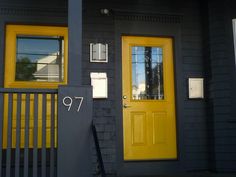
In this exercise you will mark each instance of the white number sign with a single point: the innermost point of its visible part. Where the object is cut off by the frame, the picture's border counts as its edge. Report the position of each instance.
(68, 102)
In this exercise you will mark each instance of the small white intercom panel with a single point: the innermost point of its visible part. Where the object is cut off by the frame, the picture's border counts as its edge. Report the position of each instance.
(196, 88)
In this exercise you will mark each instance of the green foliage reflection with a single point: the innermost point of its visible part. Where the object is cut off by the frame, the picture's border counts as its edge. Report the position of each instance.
(25, 69)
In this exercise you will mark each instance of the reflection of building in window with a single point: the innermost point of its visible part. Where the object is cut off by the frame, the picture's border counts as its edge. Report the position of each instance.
(147, 73)
(48, 68)
(139, 91)
(40, 58)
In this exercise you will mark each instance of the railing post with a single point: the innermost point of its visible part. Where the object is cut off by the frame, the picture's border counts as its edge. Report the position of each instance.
(74, 131)
(75, 42)
(1, 129)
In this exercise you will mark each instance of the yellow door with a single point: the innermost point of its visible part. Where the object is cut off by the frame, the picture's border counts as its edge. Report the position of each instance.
(149, 122)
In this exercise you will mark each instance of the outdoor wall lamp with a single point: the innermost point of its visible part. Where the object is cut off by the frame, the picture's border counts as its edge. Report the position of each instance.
(105, 12)
(98, 52)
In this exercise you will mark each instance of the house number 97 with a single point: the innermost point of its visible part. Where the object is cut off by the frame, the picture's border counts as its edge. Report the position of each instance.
(68, 102)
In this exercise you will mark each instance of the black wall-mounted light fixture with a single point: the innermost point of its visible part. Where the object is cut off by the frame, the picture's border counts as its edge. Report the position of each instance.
(105, 11)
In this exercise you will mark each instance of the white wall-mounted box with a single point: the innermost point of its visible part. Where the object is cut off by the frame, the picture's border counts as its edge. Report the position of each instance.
(100, 84)
(196, 88)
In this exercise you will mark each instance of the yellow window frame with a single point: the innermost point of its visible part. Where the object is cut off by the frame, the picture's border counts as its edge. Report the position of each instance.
(12, 31)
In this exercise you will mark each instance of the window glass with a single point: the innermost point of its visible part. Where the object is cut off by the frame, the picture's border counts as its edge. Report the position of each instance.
(39, 58)
(147, 73)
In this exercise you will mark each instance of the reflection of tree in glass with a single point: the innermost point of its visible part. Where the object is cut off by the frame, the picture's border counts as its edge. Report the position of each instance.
(153, 76)
(25, 69)
(158, 88)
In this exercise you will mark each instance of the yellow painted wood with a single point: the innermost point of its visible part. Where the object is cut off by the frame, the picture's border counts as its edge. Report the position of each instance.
(9, 82)
(10, 53)
(31, 121)
(149, 126)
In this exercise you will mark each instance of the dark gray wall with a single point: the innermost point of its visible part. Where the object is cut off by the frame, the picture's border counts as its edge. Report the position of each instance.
(195, 116)
(197, 134)
(221, 85)
(98, 28)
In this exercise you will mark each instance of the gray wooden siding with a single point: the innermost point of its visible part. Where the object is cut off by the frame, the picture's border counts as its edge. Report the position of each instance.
(98, 28)
(206, 129)
(221, 85)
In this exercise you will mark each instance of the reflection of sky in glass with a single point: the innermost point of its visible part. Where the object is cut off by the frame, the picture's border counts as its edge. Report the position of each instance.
(142, 59)
(39, 58)
(138, 61)
(36, 48)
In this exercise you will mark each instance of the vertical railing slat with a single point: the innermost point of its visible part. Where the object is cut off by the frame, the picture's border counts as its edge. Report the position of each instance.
(26, 147)
(35, 151)
(52, 144)
(18, 162)
(9, 135)
(1, 129)
(44, 117)
(18, 135)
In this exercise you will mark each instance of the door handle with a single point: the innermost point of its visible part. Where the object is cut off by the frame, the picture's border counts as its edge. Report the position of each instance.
(126, 106)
